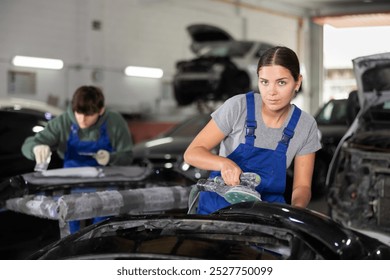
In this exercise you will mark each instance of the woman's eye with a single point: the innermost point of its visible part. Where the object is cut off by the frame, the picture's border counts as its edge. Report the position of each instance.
(282, 83)
(264, 82)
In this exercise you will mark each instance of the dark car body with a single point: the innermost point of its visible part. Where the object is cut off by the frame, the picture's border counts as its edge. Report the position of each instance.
(222, 67)
(333, 120)
(36, 207)
(251, 230)
(166, 151)
(359, 174)
(20, 119)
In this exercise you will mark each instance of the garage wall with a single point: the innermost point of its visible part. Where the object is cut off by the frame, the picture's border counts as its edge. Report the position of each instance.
(133, 32)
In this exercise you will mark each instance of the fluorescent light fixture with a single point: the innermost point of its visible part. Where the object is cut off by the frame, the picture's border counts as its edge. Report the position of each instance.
(145, 72)
(37, 62)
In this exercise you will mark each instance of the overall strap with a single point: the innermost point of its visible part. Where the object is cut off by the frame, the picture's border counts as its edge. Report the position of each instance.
(288, 131)
(251, 123)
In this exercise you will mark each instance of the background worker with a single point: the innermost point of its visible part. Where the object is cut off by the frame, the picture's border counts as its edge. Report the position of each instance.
(86, 127)
(87, 134)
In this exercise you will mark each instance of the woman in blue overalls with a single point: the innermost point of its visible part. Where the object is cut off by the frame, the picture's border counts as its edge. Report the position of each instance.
(260, 133)
(85, 135)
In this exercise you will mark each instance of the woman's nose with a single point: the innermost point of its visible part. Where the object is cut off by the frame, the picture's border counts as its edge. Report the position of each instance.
(271, 90)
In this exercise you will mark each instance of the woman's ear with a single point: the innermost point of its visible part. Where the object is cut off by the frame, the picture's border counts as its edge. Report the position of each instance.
(102, 111)
(299, 83)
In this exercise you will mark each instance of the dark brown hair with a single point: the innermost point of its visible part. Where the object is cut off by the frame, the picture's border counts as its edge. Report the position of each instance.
(88, 100)
(282, 56)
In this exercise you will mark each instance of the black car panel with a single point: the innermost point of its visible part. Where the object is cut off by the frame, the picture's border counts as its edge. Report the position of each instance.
(204, 34)
(166, 151)
(252, 230)
(16, 125)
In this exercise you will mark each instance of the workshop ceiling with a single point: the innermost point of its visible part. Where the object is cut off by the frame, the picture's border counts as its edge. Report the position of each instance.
(345, 13)
(338, 13)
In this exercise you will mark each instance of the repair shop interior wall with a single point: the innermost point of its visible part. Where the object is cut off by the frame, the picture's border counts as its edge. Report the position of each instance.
(97, 39)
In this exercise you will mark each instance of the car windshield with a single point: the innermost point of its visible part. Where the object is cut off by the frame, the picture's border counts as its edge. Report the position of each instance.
(231, 49)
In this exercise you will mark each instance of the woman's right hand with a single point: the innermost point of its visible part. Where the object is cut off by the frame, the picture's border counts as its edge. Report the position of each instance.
(230, 172)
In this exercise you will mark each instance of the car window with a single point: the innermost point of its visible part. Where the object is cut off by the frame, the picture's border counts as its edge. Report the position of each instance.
(333, 112)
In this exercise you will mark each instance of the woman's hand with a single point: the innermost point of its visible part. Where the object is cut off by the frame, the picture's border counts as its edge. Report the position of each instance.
(230, 172)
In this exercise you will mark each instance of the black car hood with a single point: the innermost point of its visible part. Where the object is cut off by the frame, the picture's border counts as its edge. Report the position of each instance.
(203, 34)
(207, 33)
(246, 230)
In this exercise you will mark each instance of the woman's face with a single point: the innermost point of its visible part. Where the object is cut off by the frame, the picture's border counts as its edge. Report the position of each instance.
(277, 86)
(85, 121)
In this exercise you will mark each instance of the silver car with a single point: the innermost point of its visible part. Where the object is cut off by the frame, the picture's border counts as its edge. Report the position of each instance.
(359, 174)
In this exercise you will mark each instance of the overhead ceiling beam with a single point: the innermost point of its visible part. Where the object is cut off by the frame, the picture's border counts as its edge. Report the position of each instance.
(310, 8)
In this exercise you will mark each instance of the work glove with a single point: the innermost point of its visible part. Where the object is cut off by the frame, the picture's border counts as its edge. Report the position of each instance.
(42, 153)
(102, 157)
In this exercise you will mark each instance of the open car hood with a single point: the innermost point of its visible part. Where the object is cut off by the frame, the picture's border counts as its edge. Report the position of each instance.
(204, 35)
(373, 79)
(83, 192)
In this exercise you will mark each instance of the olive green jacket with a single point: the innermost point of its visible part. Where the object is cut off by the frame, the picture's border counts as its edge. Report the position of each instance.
(57, 131)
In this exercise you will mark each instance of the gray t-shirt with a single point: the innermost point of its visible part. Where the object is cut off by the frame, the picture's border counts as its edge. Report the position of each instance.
(230, 117)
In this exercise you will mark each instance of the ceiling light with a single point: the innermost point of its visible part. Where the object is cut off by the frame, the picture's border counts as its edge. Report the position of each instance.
(145, 72)
(37, 62)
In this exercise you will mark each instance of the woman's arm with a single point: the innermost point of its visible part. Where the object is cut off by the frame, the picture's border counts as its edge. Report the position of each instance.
(303, 172)
(199, 154)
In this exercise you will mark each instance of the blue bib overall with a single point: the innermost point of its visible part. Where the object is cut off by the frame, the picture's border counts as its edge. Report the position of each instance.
(269, 164)
(72, 156)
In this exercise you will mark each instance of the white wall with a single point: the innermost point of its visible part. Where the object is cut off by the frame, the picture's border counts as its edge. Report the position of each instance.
(134, 32)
